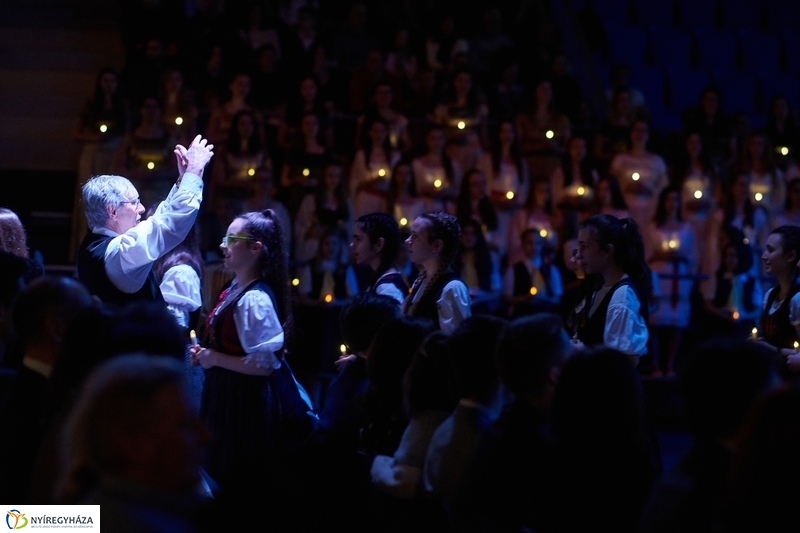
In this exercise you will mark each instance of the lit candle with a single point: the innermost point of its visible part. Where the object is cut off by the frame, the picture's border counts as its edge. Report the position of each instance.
(735, 314)
(758, 196)
(698, 194)
(581, 191)
(549, 134)
(461, 124)
(796, 345)
(437, 183)
(251, 172)
(534, 290)
(635, 176)
(151, 165)
(784, 150)
(510, 195)
(306, 172)
(328, 298)
(295, 282)
(754, 333)
(403, 221)
(381, 172)
(343, 349)
(543, 233)
(178, 120)
(673, 244)
(103, 128)
(193, 337)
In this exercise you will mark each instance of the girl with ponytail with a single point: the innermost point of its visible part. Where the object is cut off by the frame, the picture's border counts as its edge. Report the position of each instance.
(437, 293)
(780, 319)
(615, 310)
(251, 402)
(376, 239)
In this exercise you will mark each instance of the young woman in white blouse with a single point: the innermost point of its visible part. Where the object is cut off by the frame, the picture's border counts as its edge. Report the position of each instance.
(615, 310)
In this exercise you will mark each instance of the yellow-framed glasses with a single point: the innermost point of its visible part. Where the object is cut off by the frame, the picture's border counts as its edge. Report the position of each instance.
(226, 240)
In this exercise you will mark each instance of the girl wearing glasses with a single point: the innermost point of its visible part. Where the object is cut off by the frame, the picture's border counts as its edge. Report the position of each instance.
(250, 401)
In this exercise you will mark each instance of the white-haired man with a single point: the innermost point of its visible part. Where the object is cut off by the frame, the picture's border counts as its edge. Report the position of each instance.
(115, 259)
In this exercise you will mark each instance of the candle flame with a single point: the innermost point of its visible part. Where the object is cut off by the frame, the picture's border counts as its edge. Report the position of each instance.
(343, 349)
(178, 120)
(295, 282)
(673, 243)
(736, 315)
(381, 173)
(784, 150)
(306, 172)
(581, 191)
(698, 194)
(328, 298)
(549, 134)
(461, 125)
(151, 165)
(543, 233)
(534, 290)
(103, 128)
(759, 197)
(510, 195)
(403, 221)
(635, 176)
(251, 172)
(437, 183)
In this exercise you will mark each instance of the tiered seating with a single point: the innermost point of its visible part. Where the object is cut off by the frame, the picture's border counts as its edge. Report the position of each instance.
(749, 48)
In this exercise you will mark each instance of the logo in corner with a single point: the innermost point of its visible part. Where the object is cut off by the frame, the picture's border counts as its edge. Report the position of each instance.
(13, 519)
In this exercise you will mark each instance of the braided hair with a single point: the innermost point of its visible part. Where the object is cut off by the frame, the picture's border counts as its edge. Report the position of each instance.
(273, 267)
(441, 226)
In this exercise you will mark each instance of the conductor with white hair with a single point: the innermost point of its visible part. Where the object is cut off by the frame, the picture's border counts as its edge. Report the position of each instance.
(116, 257)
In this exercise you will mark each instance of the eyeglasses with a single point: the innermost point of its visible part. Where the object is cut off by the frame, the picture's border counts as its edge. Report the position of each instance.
(226, 240)
(135, 203)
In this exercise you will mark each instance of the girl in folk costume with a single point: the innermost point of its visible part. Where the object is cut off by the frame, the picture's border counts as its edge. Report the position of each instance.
(615, 310)
(437, 293)
(251, 402)
(376, 238)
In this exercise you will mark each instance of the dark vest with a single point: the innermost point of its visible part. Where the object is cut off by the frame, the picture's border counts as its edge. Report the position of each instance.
(92, 273)
(223, 336)
(426, 307)
(591, 328)
(522, 279)
(396, 279)
(339, 282)
(776, 327)
(522, 286)
(724, 288)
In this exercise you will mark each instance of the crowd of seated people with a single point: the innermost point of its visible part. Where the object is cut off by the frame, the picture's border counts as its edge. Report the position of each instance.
(444, 123)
